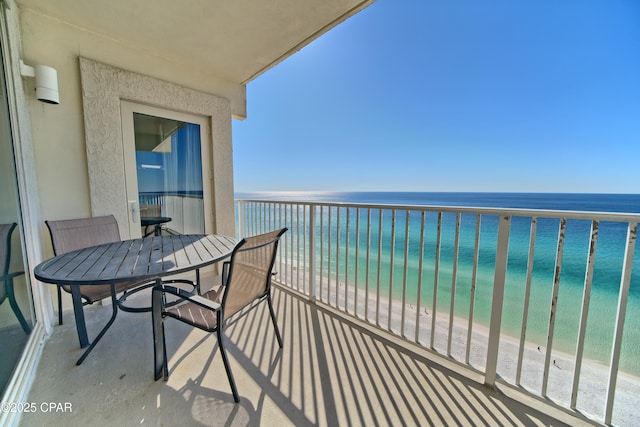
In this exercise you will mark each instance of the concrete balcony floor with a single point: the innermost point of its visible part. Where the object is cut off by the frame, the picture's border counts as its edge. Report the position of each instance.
(332, 371)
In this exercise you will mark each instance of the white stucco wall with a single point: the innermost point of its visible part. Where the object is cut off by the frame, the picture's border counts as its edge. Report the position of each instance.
(103, 87)
(58, 130)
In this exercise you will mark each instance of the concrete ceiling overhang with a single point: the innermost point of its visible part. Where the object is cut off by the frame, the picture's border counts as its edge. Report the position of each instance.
(235, 40)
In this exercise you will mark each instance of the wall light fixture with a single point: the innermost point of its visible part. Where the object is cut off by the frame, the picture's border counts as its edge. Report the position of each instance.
(46, 81)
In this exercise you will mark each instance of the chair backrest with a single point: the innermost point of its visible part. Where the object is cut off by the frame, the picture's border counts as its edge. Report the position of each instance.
(5, 256)
(250, 271)
(72, 234)
(5, 247)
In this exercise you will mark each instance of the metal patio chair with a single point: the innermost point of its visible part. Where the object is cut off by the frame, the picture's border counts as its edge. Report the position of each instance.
(246, 282)
(73, 234)
(6, 290)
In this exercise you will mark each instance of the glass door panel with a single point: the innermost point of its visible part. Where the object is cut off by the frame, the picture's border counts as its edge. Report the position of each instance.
(166, 182)
(16, 304)
(169, 169)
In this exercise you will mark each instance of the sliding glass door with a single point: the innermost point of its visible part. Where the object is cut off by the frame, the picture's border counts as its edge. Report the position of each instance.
(167, 158)
(16, 306)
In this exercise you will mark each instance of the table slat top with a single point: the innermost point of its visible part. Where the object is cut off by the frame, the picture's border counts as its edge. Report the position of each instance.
(135, 260)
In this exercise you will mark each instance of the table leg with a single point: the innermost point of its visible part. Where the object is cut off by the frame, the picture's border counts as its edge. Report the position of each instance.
(78, 312)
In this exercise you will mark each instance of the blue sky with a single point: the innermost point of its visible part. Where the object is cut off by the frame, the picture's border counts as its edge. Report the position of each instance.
(513, 96)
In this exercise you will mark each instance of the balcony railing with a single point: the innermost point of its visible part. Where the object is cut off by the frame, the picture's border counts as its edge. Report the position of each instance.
(521, 296)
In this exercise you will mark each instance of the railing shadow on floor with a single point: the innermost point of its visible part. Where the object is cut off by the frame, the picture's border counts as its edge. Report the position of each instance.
(334, 371)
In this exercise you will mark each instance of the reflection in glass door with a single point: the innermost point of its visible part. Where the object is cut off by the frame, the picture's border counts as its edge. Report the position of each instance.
(16, 307)
(166, 182)
(168, 165)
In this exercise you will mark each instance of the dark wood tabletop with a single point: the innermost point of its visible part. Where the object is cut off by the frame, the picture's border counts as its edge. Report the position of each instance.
(135, 260)
(148, 259)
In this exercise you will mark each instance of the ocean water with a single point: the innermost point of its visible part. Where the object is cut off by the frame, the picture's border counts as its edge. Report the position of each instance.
(606, 280)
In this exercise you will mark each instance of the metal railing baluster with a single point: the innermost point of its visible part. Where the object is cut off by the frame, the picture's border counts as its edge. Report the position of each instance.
(420, 268)
(527, 296)
(356, 284)
(313, 292)
(436, 273)
(497, 300)
(346, 262)
(321, 269)
(297, 264)
(625, 282)
(391, 267)
(379, 266)
(338, 223)
(405, 272)
(554, 304)
(586, 298)
(472, 291)
(368, 269)
(329, 256)
(454, 280)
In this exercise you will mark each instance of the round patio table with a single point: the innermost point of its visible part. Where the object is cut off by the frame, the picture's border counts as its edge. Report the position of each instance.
(139, 260)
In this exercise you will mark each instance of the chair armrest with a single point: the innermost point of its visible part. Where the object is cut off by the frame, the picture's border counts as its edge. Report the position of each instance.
(167, 289)
(181, 293)
(16, 274)
(204, 302)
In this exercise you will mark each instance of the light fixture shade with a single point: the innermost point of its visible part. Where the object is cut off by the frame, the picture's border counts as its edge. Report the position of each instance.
(47, 84)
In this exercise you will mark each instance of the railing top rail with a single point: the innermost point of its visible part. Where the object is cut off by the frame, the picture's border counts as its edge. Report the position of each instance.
(538, 213)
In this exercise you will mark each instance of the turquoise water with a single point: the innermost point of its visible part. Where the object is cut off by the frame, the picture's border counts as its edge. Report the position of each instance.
(607, 273)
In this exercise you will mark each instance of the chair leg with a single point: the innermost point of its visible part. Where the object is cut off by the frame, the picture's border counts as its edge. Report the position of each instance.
(114, 313)
(14, 306)
(159, 346)
(59, 305)
(227, 367)
(273, 319)
(165, 366)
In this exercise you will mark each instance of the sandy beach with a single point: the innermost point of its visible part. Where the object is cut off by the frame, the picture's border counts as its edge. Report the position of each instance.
(594, 378)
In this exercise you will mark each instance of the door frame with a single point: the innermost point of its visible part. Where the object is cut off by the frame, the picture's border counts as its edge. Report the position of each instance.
(127, 109)
(103, 89)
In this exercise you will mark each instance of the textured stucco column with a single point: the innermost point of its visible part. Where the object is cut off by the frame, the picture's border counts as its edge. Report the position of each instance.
(103, 87)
